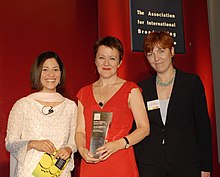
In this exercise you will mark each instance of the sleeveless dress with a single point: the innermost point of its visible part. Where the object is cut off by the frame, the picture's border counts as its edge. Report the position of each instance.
(122, 163)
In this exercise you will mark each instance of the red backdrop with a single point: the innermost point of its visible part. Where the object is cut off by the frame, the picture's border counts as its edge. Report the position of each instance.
(70, 27)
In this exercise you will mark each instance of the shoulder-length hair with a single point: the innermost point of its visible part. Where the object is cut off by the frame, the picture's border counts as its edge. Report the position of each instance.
(37, 66)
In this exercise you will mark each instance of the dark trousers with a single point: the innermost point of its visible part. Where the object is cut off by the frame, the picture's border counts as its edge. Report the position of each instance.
(164, 169)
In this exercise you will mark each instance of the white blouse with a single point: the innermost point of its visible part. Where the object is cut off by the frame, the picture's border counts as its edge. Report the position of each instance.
(163, 109)
(27, 122)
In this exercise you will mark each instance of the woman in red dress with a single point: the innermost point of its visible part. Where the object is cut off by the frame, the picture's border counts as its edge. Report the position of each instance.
(123, 100)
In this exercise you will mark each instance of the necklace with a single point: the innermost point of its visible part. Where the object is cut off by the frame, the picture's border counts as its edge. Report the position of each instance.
(103, 100)
(101, 104)
(46, 110)
(165, 84)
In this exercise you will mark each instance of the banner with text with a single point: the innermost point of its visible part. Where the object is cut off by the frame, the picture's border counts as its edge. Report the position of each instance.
(156, 15)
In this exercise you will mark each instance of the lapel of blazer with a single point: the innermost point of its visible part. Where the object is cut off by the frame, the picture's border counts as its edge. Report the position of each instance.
(155, 114)
(173, 106)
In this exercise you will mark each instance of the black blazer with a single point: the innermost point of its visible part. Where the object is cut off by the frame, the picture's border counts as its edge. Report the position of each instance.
(187, 132)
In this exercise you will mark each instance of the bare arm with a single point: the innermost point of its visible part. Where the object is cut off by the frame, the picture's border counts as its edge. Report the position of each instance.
(138, 109)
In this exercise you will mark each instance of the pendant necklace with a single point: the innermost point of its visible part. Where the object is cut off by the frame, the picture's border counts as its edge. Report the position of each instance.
(101, 104)
(165, 84)
(102, 101)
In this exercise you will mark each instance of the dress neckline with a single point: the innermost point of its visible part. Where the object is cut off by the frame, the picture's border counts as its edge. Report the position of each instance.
(97, 103)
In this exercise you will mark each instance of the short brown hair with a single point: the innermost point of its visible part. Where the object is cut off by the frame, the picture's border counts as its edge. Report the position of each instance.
(112, 42)
(37, 66)
(160, 39)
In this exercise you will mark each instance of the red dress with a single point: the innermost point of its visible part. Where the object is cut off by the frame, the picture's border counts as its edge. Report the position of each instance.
(122, 163)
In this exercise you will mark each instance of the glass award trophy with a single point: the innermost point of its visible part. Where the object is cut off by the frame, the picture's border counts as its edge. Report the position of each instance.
(100, 125)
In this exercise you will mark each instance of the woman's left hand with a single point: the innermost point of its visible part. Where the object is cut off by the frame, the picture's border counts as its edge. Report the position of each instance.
(64, 153)
(107, 150)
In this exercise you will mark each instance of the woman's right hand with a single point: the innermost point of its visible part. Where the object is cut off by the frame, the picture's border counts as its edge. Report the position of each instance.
(42, 145)
(87, 156)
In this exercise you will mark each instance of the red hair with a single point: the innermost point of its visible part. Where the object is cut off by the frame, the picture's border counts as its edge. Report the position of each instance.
(160, 39)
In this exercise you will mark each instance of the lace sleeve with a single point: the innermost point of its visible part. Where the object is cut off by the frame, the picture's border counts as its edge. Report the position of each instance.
(13, 142)
(73, 129)
(71, 142)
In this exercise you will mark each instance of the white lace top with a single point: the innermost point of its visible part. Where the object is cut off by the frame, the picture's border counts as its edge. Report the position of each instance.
(27, 122)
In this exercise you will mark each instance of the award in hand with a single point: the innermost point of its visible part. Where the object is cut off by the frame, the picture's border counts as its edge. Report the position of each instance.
(100, 125)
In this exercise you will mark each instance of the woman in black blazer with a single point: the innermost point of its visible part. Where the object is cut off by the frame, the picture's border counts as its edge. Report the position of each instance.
(179, 144)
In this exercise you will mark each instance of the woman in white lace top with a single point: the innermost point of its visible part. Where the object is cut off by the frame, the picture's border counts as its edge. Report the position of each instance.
(43, 121)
